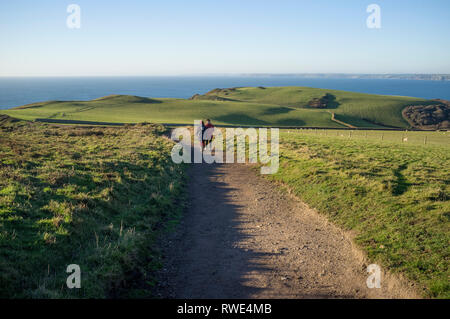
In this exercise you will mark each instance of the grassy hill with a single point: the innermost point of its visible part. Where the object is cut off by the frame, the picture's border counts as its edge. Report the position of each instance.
(358, 109)
(277, 106)
(74, 195)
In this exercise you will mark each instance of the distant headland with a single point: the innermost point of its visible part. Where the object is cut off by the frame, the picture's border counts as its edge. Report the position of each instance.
(412, 76)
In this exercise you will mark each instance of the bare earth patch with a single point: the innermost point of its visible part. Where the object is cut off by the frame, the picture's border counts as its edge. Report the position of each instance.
(242, 237)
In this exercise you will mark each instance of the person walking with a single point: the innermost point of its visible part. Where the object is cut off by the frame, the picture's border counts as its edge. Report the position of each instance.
(208, 133)
(201, 132)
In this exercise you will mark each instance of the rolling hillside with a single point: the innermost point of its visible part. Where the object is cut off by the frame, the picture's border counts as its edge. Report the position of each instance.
(278, 106)
(358, 109)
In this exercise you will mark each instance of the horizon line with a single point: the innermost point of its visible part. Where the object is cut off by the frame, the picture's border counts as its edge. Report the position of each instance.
(235, 74)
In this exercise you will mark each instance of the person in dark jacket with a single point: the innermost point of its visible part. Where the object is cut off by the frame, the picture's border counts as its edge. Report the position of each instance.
(208, 133)
(202, 131)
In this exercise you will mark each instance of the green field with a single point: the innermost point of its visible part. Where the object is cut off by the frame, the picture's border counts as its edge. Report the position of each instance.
(393, 138)
(286, 106)
(393, 195)
(96, 197)
(358, 109)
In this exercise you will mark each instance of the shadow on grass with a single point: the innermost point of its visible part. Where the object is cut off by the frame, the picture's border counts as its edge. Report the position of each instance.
(277, 110)
(240, 119)
(401, 185)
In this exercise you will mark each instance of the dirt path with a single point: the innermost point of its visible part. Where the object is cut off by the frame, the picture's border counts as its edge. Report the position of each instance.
(243, 238)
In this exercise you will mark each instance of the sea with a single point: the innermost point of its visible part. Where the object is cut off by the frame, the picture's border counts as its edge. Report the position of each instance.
(16, 91)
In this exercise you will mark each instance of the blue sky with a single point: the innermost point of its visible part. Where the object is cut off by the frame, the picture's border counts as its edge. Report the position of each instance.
(173, 37)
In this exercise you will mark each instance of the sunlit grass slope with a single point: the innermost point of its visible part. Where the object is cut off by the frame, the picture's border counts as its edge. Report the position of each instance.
(131, 109)
(94, 197)
(350, 107)
(276, 106)
(394, 197)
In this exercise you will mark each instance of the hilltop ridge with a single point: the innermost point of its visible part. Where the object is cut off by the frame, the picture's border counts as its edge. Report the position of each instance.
(254, 106)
